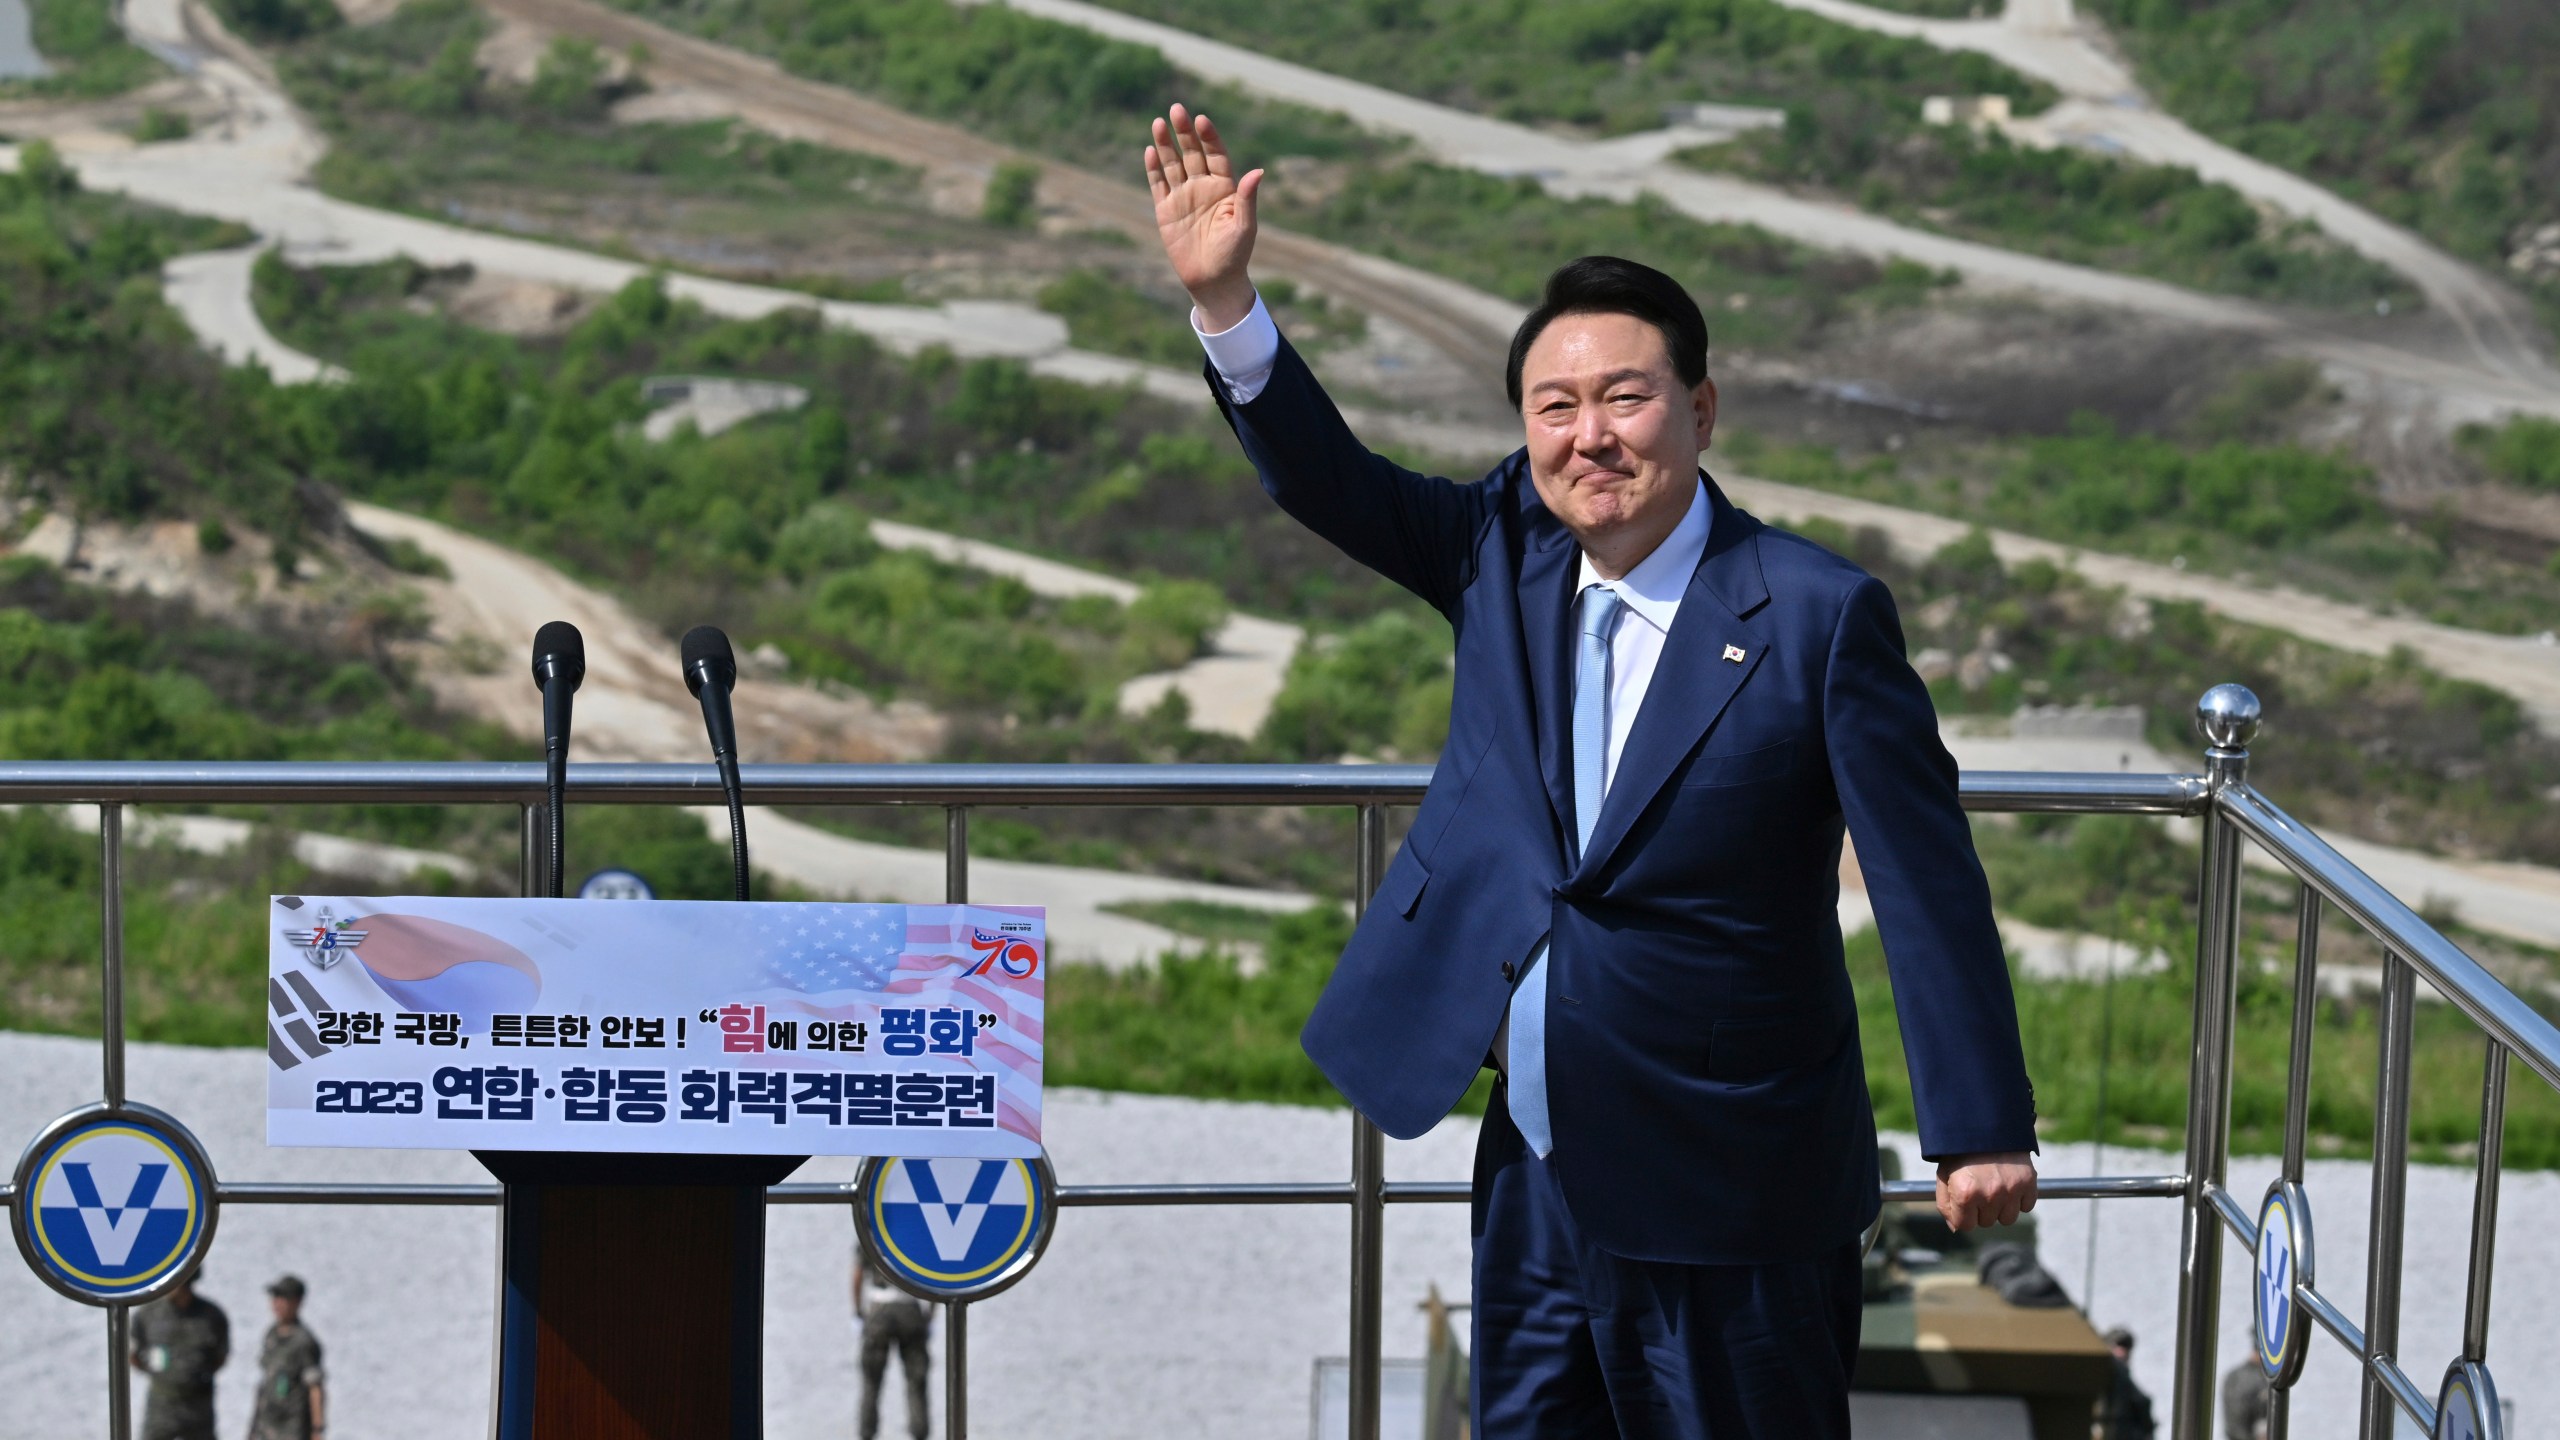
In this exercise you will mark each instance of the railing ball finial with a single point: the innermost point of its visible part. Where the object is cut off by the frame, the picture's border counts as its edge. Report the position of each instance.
(2227, 717)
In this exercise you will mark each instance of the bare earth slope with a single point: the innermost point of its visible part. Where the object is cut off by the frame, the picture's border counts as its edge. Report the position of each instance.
(2462, 387)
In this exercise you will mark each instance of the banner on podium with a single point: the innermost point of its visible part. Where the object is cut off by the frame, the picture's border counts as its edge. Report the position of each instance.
(667, 1027)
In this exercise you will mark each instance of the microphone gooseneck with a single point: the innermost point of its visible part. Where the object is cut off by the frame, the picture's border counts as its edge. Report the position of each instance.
(711, 672)
(559, 667)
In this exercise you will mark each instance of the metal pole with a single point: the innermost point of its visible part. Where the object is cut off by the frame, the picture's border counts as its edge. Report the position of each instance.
(955, 1313)
(2484, 1202)
(955, 1370)
(2228, 717)
(2390, 1196)
(119, 1381)
(2297, 1093)
(529, 850)
(111, 950)
(2306, 1010)
(1368, 1193)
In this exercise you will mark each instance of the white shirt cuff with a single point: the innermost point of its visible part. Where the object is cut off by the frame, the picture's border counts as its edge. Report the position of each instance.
(1244, 354)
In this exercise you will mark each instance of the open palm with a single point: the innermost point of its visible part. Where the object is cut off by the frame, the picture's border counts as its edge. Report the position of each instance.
(1204, 214)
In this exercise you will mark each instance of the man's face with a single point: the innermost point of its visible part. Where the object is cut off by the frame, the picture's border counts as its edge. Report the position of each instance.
(1613, 435)
(286, 1308)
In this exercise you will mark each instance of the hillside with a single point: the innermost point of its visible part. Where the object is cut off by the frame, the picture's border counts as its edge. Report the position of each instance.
(2440, 116)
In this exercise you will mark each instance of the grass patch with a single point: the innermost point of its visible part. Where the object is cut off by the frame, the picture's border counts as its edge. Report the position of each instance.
(416, 126)
(1065, 92)
(2157, 220)
(1608, 68)
(2438, 116)
(2245, 507)
(86, 50)
(2523, 451)
(1108, 314)
(2378, 747)
(1205, 919)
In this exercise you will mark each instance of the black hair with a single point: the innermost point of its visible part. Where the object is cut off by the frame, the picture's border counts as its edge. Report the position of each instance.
(1607, 285)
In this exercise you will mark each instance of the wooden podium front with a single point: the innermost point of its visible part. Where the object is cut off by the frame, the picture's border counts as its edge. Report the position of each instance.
(633, 1297)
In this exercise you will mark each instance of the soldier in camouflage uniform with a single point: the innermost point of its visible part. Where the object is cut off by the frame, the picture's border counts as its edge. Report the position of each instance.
(180, 1342)
(291, 1403)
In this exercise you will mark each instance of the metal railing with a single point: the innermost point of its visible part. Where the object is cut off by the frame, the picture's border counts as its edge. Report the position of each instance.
(2232, 812)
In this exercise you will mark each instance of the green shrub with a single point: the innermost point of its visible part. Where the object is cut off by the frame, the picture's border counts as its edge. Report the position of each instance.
(2523, 451)
(570, 79)
(158, 125)
(1170, 623)
(85, 49)
(1358, 692)
(1013, 196)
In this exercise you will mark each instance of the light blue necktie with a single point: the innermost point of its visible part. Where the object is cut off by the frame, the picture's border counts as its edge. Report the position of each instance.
(1601, 608)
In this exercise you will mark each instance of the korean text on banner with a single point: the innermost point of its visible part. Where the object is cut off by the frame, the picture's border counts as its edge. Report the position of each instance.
(670, 1027)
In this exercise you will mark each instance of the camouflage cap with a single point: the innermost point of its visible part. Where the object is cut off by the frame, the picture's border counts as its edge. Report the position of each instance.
(288, 1286)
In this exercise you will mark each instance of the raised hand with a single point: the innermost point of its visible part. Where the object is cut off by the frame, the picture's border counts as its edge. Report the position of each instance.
(1204, 214)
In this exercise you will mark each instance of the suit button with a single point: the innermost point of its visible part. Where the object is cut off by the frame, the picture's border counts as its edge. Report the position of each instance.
(1506, 972)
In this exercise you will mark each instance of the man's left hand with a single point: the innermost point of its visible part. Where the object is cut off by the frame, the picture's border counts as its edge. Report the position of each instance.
(1977, 1191)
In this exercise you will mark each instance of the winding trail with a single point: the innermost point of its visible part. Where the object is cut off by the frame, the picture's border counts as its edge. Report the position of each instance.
(2527, 668)
(2105, 108)
(2474, 388)
(1230, 690)
(633, 707)
(1466, 325)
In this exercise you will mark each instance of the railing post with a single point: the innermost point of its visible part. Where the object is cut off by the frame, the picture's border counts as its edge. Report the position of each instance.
(111, 950)
(111, 1067)
(529, 850)
(2484, 1202)
(955, 1313)
(1368, 1192)
(119, 1379)
(2297, 1091)
(2227, 717)
(2380, 1420)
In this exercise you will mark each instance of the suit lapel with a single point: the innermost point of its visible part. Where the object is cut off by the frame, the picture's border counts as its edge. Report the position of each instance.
(1696, 678)
(1548, 565)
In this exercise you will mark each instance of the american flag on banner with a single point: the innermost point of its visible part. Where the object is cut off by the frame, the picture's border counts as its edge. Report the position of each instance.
(845, 962)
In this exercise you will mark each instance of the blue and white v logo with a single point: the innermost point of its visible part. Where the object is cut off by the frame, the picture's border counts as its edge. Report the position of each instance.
(952, 1196)
(113, 1227)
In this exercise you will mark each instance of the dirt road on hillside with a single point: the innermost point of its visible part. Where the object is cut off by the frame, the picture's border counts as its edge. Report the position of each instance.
(2468, 386)
(2105, 108)
(1469, 327)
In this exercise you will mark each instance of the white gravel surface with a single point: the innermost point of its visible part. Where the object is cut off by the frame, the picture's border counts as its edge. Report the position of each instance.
(1139, 1324)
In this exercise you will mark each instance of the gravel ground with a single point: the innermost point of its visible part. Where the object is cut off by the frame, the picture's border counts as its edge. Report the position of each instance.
(1178, 1323)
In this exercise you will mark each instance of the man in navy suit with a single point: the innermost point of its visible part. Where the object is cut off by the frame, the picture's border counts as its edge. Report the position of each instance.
(1621, 888)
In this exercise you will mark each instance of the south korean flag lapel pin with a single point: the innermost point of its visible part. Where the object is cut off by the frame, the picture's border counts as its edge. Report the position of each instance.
(1734, 653)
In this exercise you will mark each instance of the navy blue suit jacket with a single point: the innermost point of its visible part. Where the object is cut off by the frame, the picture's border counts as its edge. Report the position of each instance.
(1705, 1083)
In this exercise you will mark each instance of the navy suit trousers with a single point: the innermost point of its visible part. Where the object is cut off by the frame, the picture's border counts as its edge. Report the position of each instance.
(1574, 1343)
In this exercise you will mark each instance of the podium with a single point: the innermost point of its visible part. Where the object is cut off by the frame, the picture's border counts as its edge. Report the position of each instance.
(632, 1305)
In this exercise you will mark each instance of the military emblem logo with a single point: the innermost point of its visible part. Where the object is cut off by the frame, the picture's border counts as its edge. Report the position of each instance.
(117, 1204)
(328, 941)
(955, 1229)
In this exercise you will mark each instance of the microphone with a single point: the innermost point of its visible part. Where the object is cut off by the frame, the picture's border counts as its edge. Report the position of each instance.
(559, 665)
(711, 672)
